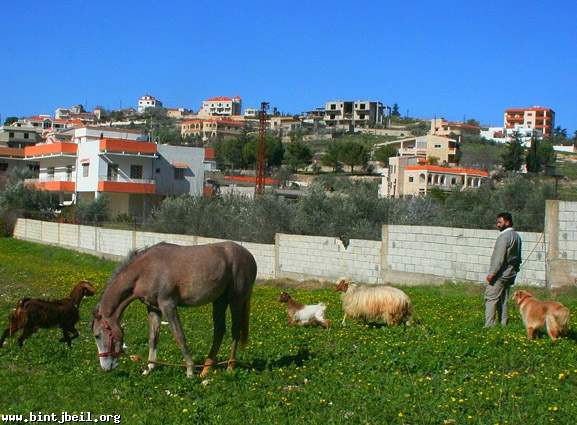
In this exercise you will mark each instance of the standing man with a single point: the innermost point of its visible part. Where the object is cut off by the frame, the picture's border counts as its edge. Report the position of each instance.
(505, 264)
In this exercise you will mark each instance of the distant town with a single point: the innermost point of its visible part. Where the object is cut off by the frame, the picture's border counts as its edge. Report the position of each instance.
(138, 156)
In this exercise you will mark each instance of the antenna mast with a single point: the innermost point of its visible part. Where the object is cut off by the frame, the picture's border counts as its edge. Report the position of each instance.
(260, 162)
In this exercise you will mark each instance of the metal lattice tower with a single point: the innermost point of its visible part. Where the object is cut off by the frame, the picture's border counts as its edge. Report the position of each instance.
(260, 161)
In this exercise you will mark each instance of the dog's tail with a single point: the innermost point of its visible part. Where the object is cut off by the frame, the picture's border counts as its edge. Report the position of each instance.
(559, 319)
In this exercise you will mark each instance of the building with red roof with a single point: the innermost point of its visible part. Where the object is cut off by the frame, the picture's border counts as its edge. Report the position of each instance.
(221, 106)
(537, 118)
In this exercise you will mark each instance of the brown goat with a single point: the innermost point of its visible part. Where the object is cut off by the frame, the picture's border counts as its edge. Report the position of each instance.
(32, 314)
(300, 314)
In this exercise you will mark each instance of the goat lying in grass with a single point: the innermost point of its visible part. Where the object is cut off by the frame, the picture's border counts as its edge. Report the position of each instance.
(31, 314)
(375, 303)
(299, 314)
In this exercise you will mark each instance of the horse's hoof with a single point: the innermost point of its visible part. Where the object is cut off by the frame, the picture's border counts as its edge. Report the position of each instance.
(189, 373)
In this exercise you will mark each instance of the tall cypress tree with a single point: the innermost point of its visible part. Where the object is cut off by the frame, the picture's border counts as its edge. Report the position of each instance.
(534, 164)
(514, 157)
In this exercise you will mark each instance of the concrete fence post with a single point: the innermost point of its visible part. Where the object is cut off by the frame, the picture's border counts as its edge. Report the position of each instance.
(551, 239)
(276, 260)
(384, 265)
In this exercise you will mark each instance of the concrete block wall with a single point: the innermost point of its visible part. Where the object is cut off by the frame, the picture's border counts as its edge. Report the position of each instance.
(327, 258)
(68, 234)
(567, 230)
(144, 239)
(457, 254)
(117, 244)
(114, 242)
(87, 238)
(406, 255)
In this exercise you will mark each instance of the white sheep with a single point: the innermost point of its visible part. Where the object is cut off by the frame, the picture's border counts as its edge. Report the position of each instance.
(374, 303)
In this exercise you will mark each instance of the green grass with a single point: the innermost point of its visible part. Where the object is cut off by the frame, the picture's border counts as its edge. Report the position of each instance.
(446, 369)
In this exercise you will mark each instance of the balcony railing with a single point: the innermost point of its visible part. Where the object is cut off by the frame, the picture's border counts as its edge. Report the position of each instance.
(11, 152)
(51, 150)
(53, 183)
(144, 186)
(127, 147)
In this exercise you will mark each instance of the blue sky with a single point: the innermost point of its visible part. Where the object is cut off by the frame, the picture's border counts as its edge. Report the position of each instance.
(446, 58)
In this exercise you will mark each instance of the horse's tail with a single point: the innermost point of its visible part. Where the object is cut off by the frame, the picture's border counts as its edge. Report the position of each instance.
(244, 322)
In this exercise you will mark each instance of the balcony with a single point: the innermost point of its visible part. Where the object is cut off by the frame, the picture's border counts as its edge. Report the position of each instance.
(127, 147)
(52, 184)
(16, 153)
(143, 186)
(50, 150)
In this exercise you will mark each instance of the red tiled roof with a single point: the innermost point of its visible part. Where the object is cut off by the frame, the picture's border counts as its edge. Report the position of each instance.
(249, 179)
(533, 108)
(39, 118)
(219, 98)
(448, 170)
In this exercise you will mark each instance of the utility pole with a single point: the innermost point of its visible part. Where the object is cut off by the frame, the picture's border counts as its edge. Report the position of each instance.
(260, 162)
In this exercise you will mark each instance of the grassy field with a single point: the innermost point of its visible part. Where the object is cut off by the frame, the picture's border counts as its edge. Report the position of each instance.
(446, 369)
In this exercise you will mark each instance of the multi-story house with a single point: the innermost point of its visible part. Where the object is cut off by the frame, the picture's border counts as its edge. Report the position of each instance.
(444, 149)
(539, 119)
(148, 101)
(283, 125)
(178, 113)
(134, 173)
(221, 106)
(442, 127)
(408, 176)
(349, 114)
(19, 135)
(210, 129)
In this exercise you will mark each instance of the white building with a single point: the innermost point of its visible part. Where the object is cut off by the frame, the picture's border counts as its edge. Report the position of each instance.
(135, 174)
(496, 134)
(524, 132)
(221, 106)
(148, 101)
(251, 113)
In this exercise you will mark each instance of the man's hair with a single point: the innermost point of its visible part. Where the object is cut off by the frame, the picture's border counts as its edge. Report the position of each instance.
(506, 216)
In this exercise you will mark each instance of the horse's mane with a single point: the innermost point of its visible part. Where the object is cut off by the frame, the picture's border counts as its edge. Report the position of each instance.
(132, 255)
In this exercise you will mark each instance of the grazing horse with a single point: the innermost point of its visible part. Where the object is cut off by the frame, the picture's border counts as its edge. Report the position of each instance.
(166, 276)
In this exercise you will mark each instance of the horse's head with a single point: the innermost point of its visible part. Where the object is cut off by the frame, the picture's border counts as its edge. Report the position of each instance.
(109, 337)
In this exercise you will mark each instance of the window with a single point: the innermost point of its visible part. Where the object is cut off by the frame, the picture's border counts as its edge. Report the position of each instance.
(11, 135)
(50, 173)
(26, 135)
(333, 106)
(136, 171)
(362, 105)
(157, 170)
(179, 174)
(411, 179)
(85, 169)
(69, 172)
(3, 167)
(438, 146)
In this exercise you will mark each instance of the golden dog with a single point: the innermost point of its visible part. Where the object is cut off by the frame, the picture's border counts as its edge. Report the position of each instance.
(536, 314)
